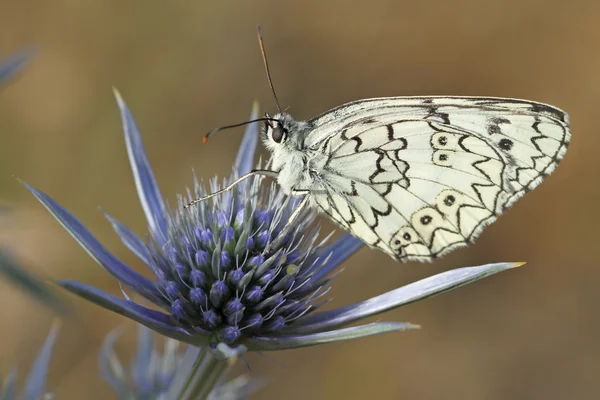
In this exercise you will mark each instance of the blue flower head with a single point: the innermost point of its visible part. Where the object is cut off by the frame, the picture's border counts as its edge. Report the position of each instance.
(228, 270)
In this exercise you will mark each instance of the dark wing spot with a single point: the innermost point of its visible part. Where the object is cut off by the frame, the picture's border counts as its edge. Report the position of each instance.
(506, 144)
(449, 200)
(494, 126)
(443, 157)
(425, 219)
(493, 129)
(443, 140)
(500, 120)
(406, 236)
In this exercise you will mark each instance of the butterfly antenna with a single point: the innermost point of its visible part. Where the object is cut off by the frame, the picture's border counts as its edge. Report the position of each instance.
(264, 56)
(209, 134)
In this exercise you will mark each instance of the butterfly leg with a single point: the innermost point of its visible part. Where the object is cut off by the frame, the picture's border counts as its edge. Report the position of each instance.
(292, 217)
(299, 208)
(263, 172)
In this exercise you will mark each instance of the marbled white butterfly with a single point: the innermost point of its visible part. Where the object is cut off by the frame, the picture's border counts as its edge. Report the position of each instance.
(416, 177)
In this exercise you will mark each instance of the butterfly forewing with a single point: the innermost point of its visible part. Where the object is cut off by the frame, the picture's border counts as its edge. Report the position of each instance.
(419, 177)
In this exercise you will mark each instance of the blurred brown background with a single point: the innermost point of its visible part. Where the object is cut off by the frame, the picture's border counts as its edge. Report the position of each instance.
(185, 67)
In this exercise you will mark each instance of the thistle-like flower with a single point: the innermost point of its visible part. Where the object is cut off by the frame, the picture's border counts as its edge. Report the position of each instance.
(229, 271)
(153, 374)
(35, 386)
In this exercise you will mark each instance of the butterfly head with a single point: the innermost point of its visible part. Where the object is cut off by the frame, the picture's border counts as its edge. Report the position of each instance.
(275, 131)
(280, 131)
(283, 136)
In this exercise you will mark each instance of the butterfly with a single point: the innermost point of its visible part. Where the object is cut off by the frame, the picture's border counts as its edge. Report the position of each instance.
(415, 177)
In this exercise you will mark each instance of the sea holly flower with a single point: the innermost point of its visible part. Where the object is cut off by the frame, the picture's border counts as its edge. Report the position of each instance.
(156, 375)
(230, 272)
(35, 385)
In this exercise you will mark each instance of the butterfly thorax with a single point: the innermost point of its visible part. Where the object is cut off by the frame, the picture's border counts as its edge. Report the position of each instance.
(295, 164)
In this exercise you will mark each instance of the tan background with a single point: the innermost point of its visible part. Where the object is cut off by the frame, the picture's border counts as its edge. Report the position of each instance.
(185, 67)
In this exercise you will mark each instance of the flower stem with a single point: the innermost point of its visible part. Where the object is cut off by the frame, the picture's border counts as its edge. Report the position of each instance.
(206, 373)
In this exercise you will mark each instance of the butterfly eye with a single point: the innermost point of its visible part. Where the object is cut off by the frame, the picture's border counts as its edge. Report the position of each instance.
(278, 133)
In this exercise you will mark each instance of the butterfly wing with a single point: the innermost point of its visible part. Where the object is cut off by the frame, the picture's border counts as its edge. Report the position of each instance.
(419, 177)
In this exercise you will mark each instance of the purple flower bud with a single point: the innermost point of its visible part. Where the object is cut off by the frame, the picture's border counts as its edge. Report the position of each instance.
(254, 321)
(268, 276)
(275, 324)
(177, 309)
(222, 219)
(187, 245)
(201, 258)
(198, 297)
(206, 237)
(230, 334)
(256, 260)
(172, 289)
(210, 319)
(225, 260)
(172, 253)
(262, 218)
(250, 243)
(235, 276)
(234, 311)
(227, 235)
(182, 271)
(262, 239)
(239, 217)
(232, 306)
(254, 294)
(198, 233)
(198, 278)
(218, 293)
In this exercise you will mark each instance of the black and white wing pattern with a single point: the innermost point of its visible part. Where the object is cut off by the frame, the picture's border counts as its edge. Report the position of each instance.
(418, 177)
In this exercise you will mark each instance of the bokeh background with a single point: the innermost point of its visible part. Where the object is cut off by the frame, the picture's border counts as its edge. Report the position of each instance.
(185, 67)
